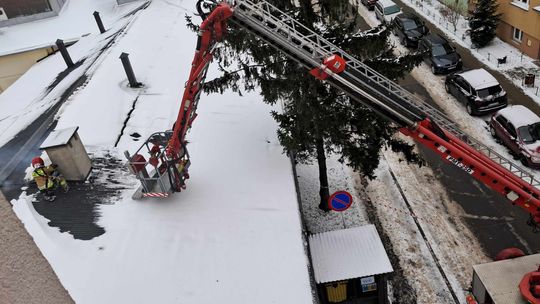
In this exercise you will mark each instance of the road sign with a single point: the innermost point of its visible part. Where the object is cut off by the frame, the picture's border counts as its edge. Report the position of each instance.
(340, 201)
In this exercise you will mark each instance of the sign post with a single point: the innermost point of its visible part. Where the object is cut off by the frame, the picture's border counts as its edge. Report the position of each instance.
(340, 201)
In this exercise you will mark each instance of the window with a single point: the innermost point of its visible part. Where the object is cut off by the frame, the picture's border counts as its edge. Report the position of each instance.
(442, 49)
(517, 34)
(491, 91)
(522, 4)
(391, 10)
(510, 128)
(502, 120)
(411, 24)
(20, 8)
(525, 134)
(461, 83)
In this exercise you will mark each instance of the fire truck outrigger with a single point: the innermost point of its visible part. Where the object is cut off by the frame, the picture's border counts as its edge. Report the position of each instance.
(162, 162)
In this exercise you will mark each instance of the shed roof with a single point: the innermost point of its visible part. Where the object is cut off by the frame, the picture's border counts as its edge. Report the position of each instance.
(58, 137)
(479, 79)
(348, 253)
(501, 278)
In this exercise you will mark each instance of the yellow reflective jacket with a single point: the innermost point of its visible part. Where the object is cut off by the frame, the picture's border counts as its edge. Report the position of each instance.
(42, 177)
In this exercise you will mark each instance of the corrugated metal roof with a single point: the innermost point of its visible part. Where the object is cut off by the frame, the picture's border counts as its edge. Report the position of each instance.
(501, 278)
(348, 253)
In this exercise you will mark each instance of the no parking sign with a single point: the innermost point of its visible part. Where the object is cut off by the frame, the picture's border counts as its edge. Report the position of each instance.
(340, 201)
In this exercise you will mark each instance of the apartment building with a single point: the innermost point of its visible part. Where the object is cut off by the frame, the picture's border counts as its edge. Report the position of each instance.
(520, 25)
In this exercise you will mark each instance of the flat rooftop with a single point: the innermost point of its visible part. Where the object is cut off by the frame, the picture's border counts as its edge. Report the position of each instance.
(501, 278)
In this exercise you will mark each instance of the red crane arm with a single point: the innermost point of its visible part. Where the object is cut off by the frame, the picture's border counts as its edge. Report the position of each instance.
(212, 30)
(485, 168)
(475, 163)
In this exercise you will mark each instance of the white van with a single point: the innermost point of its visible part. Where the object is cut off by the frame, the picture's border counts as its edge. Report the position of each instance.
(386, 10)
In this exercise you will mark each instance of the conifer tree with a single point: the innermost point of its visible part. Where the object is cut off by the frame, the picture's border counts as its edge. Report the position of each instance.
(316, 118)
(483, 22)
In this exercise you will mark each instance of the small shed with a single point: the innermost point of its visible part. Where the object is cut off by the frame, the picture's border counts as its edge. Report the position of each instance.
(498, 282)
(350, 266)
(65, 149)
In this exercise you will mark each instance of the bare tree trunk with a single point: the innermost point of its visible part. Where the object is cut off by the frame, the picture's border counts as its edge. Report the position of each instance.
(323, 177)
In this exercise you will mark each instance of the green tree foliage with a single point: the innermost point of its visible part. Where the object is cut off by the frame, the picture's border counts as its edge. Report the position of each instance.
(483, 22)
(317, 119)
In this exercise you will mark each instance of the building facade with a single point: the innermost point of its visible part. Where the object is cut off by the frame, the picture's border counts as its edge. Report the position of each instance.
(21, 11)
(15, 65)
(520, 25)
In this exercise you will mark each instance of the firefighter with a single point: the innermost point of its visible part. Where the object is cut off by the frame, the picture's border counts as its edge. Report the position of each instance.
(47, 178)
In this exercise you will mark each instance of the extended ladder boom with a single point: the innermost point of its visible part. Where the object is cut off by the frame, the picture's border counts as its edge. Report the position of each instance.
(418, 119)
(326, 61)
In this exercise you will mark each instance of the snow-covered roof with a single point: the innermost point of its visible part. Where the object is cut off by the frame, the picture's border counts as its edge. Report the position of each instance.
(501, 278)
(479, 79)
(234, 235)
(58, 137)
(348, 253)
(519, 115)
(75, 20)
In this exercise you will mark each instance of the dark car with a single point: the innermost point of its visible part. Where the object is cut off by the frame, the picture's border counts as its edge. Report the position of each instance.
(477, 90)
(518, 128)
(370, 4)
(440, 55)
(409, 28)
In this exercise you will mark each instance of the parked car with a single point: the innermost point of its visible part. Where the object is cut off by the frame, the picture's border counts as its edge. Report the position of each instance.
(409, 28)
(370, 4)
(478, 90)
(440, 55)
(518, 128)
(386, 10)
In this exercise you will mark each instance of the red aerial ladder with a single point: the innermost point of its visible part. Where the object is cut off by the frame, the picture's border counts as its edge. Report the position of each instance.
(162, 162)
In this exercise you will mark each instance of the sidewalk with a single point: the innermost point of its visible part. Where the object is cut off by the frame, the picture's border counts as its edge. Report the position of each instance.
(25, 274)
